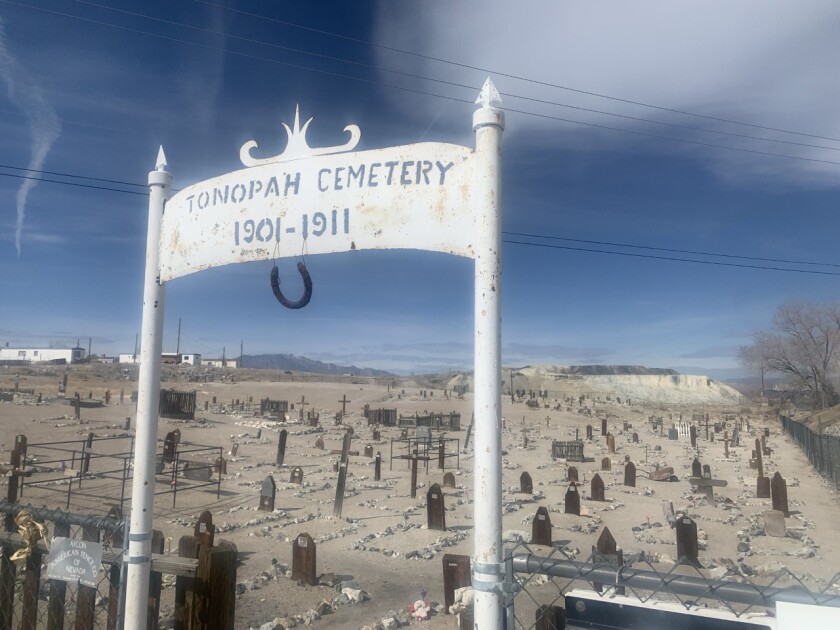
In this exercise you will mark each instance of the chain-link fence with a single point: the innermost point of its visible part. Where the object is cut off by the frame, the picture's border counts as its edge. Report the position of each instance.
(29, 600)
(542, 578)
(823, 450)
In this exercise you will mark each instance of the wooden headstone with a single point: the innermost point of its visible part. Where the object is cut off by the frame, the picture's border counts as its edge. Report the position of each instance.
(368, 451)
(572, 474)
(220, 466)
(304, 560)
(606, 550)
(296, 475)
(687, 547)
(635, 438)
(603, 427)
(606, 464)
(281, 447)
(571, 502)
(541, 528)
(610, 443)
(342, 475)
(778, 488)
(268, 489)
(630, 475)
(596, 490)
(169, 444)
(588, 431)
(204, 530)
(692, 433)
(707, 471)
(319, 444)
(435, 509)
(762, 488)
(526, 486)
(449, 480)
(456, 574)
(377, 467)
(549, 617)
(696, 468)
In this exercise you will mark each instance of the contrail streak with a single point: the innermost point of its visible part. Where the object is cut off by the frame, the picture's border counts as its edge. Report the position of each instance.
(44, 124)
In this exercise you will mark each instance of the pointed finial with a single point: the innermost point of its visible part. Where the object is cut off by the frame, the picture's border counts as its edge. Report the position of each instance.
(489, 95)
(160, 165)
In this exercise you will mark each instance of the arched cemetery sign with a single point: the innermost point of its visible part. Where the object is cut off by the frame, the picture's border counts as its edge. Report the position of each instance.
(429, 196)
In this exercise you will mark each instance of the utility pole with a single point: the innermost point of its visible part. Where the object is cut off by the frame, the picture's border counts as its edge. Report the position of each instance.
(134, 356)
(178, 343)
(224, 364)
(241, 347)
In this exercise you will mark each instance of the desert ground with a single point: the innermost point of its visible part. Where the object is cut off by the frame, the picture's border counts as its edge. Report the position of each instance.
(381, 544)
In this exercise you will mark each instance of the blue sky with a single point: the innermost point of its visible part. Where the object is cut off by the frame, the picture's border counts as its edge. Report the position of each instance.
(84, 97)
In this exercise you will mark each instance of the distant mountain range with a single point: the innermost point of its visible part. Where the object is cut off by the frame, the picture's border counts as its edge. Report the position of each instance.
(302, 364)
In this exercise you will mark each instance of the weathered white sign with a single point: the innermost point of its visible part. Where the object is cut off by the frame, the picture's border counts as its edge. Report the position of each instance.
(74, 561)
(408, 197)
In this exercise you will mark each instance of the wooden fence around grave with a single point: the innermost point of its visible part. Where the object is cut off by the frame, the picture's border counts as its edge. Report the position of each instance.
(438, 421)
(384, 417)
(570, 451)
(269, 406)
(205, 577)
(177, 405)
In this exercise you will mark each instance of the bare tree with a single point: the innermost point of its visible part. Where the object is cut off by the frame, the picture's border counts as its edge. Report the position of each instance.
(804, 345)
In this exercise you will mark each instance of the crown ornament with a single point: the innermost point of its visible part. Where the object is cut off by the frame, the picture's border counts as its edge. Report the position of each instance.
(297, 147)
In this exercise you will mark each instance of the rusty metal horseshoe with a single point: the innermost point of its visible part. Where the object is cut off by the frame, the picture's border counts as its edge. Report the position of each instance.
(307, 287)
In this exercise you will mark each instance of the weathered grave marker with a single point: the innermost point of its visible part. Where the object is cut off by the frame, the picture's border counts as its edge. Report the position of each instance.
(596, 490)
(234, 449)
(268, 490)
(696, 468)
(344, 402)
(572, 474)
(630, 475)
(762, 488)
(456, 574)
(687, 548)
(726, 444)
(707, 471)
(304, 559)
(435, 509)
(541, 528)
(606, 464)
(319, 444)
(296, 476)
(610, 443)
(526, 485)
(281, 447)
(220, 466)
(708, 485)
(588, 431)
(204, 530)
(449, 480)
(414, 476)
(169, 448)
(778, 488)
(603, 427)
(673, 434)
(377, 467)
(342, 475)
(368, 451)
(377, 436)
(692, 433)
(571, 502)
(606, 550)
(774, 524)
(635, 438)
(661, 474)
(549, 617)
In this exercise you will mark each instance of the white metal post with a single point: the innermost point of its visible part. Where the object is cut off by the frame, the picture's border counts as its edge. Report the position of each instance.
(487, 567)
(143, 484)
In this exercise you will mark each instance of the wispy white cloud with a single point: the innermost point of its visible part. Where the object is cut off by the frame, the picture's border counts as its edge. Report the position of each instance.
(769, 64)
(25, 92)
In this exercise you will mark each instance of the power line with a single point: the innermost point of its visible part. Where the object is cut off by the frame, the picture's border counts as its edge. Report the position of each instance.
(95, 179)
(513, 76)
(450, 83)
(675, 251)
(422, 92)
(56, 181)
(674, 259)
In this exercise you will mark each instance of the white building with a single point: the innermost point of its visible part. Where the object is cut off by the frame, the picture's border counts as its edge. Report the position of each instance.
(172, 358)
(37, 355)
(219, 363)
